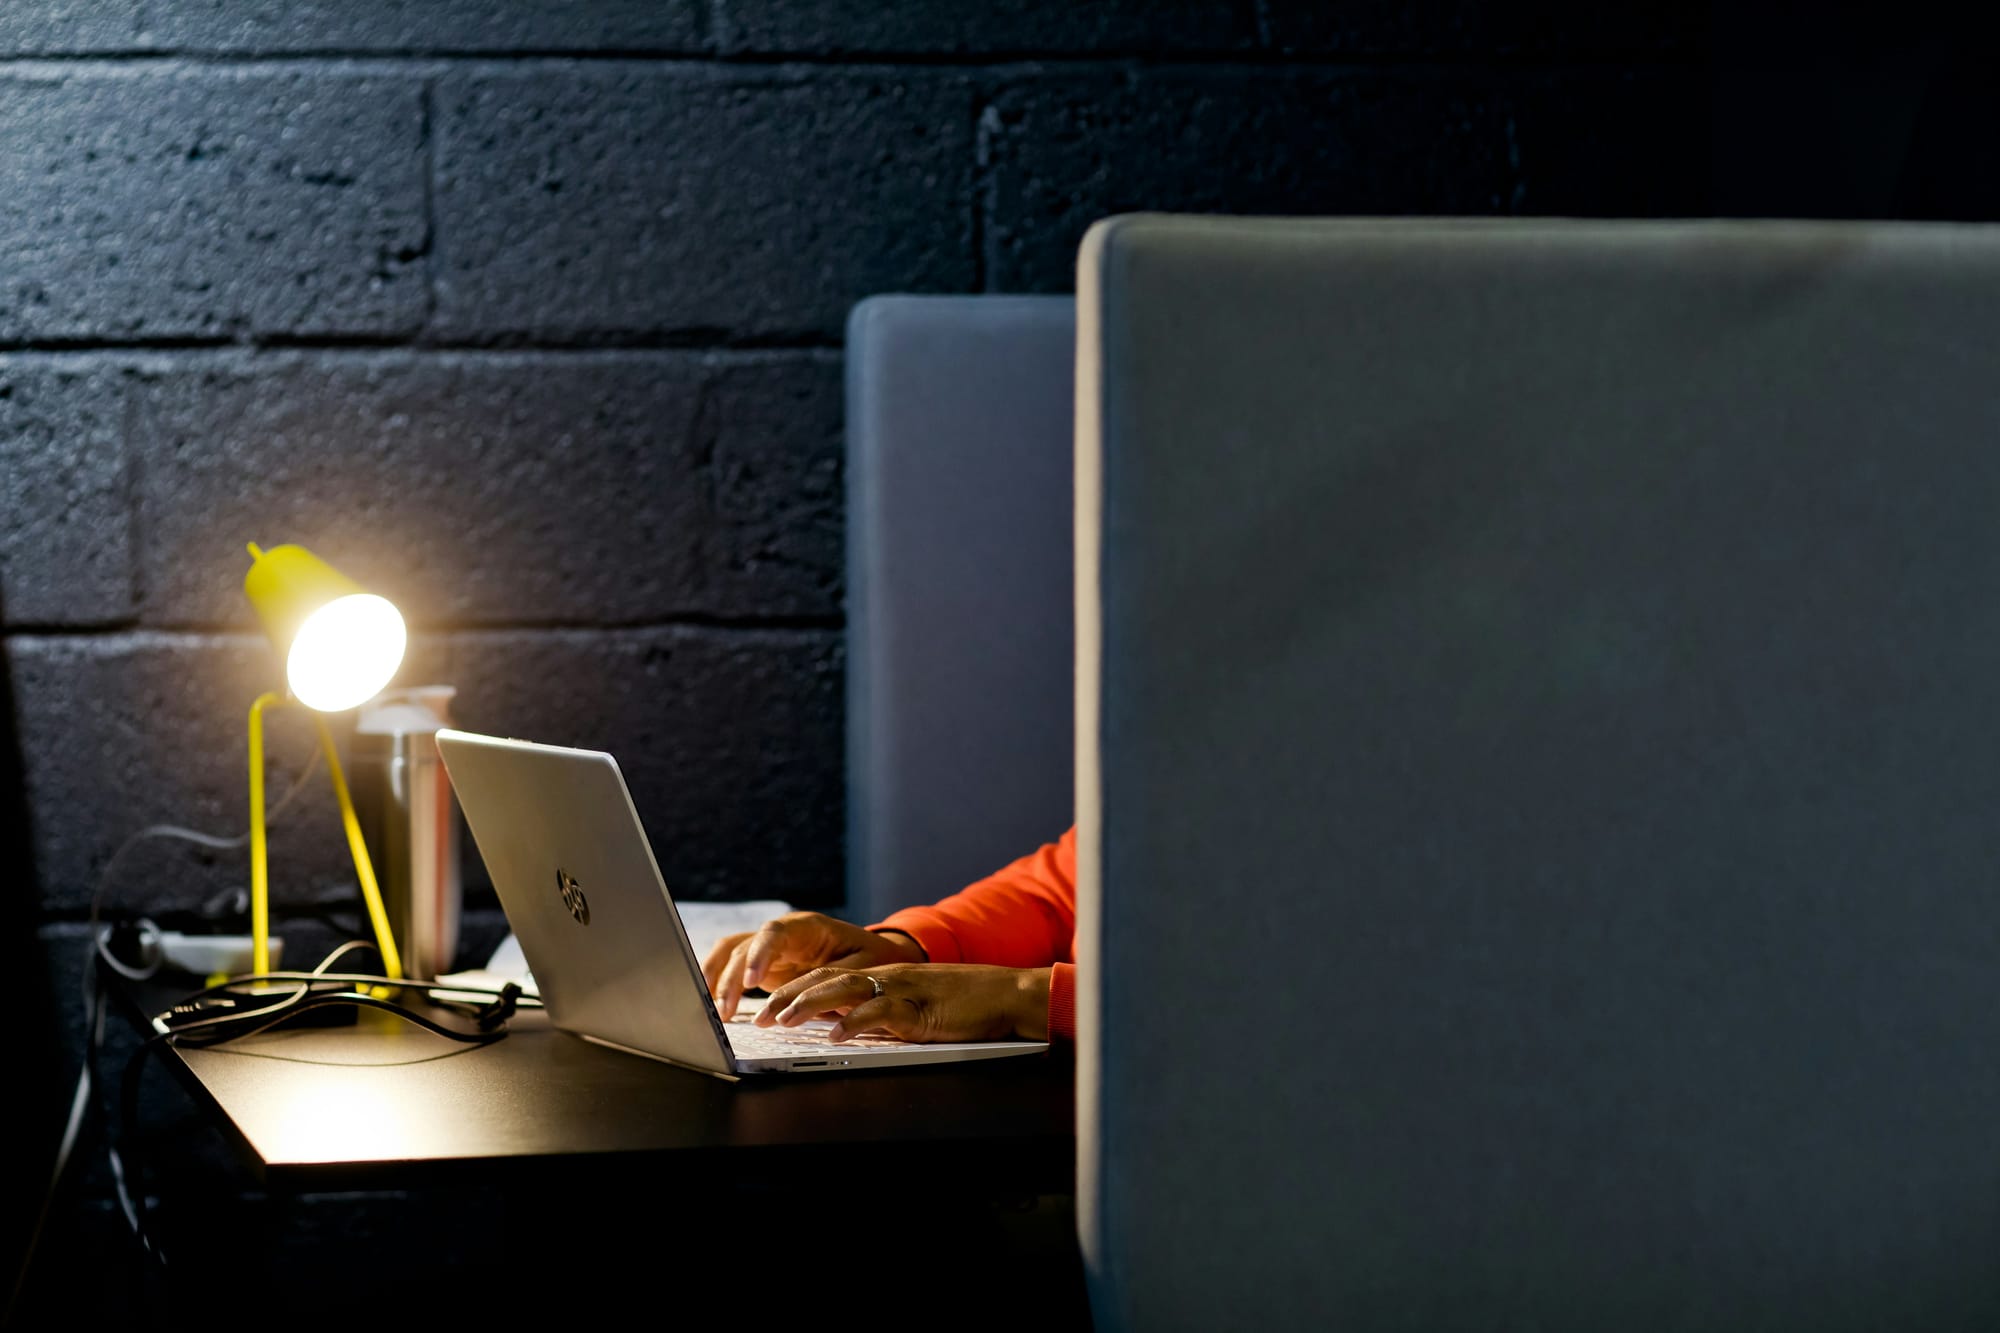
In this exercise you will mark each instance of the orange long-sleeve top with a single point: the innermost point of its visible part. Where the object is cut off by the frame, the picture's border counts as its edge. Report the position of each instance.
(1023, 915)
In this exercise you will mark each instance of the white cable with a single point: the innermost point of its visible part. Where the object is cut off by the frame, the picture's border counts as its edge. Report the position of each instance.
(179, 833)
(345, 949)
(150, 951)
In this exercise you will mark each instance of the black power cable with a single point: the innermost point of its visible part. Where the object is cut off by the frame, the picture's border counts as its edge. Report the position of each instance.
(214, 1015)
(125, 1160)
(214, 1030)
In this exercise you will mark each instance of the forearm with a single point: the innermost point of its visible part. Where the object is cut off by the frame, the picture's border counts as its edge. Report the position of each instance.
(1030, 1009)
(1023, 915)
(1040, 1004)
(911, 948)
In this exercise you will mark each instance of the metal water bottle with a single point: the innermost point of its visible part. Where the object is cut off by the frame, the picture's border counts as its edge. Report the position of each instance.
(409, 817)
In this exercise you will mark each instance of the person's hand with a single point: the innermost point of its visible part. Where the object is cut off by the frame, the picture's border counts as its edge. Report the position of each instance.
(918, 1001)
(793, 945)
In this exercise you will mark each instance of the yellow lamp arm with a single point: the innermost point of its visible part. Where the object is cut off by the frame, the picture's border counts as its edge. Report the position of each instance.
(260, 879)
(392, 961)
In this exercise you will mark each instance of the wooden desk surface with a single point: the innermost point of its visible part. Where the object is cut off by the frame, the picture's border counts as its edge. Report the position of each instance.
(383, 1103)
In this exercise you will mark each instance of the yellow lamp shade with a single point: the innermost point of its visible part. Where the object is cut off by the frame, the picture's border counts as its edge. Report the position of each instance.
(340, 645)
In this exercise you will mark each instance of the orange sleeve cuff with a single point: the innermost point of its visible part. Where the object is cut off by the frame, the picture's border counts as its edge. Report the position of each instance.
(928, 929)
(1062, 1002)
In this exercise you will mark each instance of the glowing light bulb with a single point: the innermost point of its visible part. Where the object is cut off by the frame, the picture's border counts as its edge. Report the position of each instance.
(346, 652)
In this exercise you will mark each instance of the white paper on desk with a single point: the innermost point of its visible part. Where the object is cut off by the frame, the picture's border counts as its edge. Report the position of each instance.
(506, 964)
(705, 923)
(507, 960)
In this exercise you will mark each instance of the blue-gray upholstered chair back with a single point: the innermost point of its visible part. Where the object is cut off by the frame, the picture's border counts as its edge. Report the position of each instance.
(959, 590)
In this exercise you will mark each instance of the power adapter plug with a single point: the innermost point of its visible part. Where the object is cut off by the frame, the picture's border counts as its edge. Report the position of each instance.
(214, 955)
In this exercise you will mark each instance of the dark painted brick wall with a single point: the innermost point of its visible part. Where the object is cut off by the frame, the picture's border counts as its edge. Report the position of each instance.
(528, 314)
(196, 202)
(626, 200)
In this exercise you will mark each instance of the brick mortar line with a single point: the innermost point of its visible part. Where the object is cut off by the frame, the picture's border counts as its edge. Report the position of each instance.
(499, 345)
(76, 919)
(169, 350)
(420, 63)
(64, 920)
(981, 203)
(132, 498)
(433, 263)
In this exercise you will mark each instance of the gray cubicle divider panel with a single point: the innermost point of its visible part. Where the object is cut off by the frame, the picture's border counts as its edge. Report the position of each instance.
(1539, 774)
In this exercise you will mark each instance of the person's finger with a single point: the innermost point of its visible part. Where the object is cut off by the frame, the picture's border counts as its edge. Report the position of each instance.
(772, 939)
(718, 958)
(729, 993)
(786, 968)
(886, 1012)
(837, 992)
(777, 998)
(782, 996)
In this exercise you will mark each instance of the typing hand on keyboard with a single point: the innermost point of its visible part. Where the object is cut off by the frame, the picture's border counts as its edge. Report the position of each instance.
(791, 946)
(917, 1002)
(749, 1040)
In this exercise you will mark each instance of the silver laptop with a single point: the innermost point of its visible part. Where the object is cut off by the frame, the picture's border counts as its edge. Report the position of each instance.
(597, 924)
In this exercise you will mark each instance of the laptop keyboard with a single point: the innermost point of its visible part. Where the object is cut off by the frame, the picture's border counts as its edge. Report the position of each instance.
(753, 1042)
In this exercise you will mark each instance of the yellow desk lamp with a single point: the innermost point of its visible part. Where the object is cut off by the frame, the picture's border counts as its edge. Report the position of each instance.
(340, 646)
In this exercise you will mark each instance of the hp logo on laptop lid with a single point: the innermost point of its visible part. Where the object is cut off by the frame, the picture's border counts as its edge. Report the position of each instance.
(572, 896)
